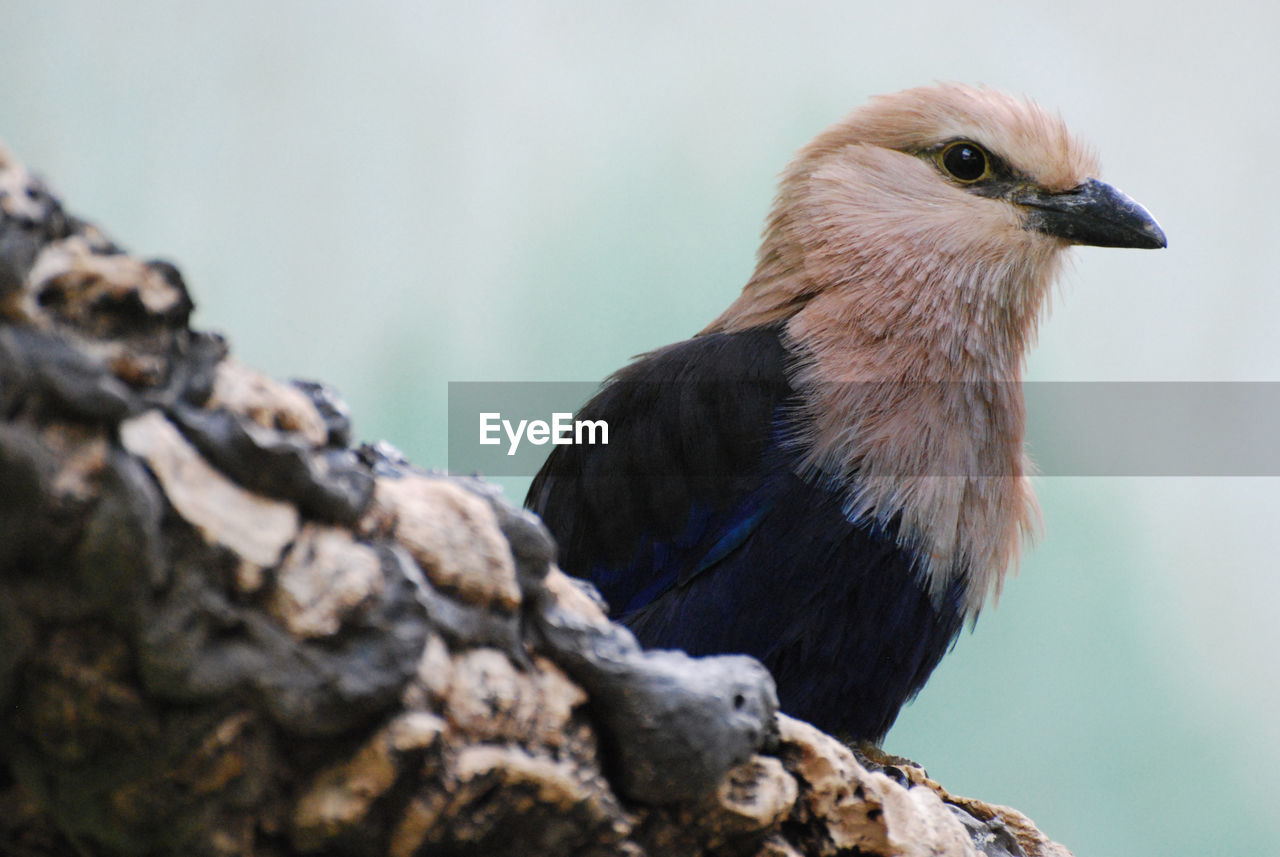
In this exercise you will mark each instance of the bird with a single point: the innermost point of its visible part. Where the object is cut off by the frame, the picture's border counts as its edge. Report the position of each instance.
(831, 476)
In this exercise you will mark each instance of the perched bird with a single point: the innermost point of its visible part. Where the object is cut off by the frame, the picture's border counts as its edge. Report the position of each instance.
(831, 475)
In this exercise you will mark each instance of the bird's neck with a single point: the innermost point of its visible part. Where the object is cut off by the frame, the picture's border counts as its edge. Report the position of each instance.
(914, 407)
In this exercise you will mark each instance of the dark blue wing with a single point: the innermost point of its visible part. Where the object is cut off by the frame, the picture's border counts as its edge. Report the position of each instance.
(835, 610)
(689, 426)
(700, 535)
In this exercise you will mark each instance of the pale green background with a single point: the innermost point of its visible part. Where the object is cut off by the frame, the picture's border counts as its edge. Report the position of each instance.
(390, 196)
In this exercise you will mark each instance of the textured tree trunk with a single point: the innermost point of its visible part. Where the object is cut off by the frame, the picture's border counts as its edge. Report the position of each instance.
(225, 631)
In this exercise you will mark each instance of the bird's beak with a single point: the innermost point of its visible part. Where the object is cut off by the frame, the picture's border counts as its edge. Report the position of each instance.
(1093, 213)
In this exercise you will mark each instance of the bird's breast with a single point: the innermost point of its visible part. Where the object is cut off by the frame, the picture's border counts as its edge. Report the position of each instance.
(942, 458)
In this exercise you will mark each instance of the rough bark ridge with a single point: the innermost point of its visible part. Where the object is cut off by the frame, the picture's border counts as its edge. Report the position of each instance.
(225, 631)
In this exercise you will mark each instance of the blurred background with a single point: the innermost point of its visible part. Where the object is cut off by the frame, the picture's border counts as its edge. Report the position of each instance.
(393, 195)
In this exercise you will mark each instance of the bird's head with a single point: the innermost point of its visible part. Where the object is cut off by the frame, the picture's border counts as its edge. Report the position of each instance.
(940, 212)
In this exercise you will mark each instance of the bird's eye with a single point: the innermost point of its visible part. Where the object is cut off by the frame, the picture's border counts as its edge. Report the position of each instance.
(965, 161)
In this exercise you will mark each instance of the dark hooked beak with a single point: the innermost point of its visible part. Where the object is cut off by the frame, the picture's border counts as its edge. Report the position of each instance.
(1093, 213)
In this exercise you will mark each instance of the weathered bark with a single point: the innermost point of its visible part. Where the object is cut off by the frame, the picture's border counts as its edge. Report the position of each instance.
(225, 631)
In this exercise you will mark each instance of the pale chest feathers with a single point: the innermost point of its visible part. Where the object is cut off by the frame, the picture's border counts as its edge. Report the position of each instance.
(944, 457)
